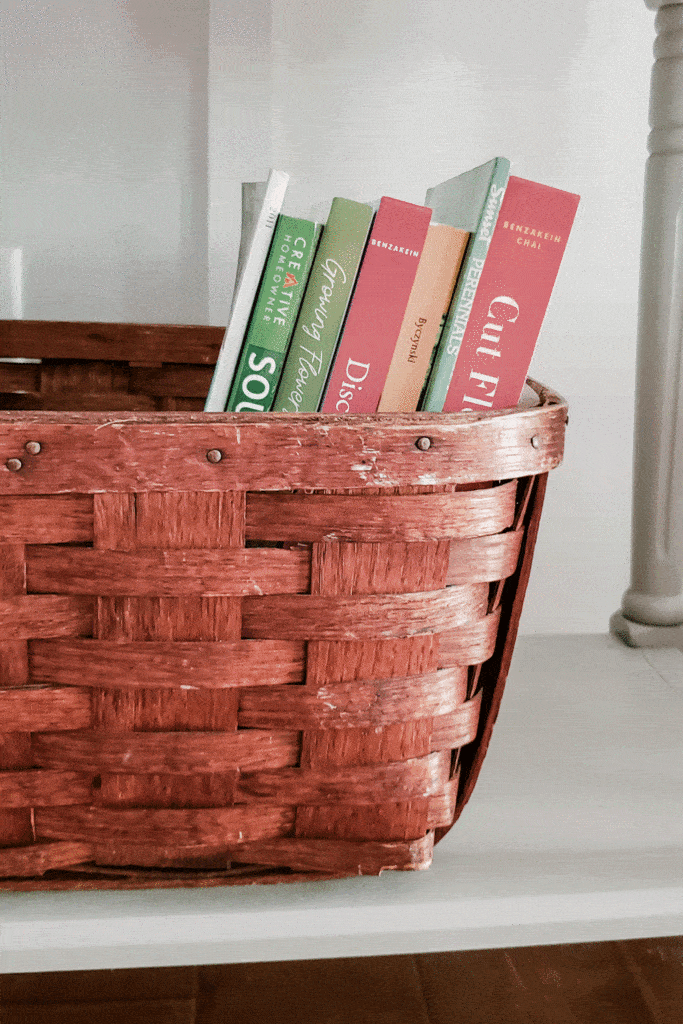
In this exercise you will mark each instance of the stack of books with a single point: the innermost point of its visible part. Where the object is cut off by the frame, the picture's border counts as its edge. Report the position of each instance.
(392, 307)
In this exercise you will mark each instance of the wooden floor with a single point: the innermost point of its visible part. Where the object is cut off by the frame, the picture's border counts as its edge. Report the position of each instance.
(635, 982)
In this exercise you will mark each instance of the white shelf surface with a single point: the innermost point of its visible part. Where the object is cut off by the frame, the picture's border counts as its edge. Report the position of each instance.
(574, 833)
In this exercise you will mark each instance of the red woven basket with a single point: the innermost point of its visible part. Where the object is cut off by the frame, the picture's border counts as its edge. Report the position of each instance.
(243, 648)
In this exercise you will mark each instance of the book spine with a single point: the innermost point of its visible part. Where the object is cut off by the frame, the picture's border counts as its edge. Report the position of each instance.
(258, 226)
(274, 315)
(324, 306)
(522, 264)
(376, 312)
(465, 290)
(429, 300)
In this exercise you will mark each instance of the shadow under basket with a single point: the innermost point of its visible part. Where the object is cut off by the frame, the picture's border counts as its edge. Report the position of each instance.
(243, 648)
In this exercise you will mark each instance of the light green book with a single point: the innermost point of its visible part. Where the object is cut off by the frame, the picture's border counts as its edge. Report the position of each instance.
(324, 306)
(470, 201)
(274, 314)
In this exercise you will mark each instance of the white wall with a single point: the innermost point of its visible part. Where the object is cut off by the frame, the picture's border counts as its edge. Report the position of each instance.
(125, 122)
(104, 153)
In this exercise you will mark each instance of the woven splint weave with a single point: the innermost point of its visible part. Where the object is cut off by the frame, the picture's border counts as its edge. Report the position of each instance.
(243, 648)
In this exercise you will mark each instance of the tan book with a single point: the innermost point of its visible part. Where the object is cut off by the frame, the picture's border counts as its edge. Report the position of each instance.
(430, 298)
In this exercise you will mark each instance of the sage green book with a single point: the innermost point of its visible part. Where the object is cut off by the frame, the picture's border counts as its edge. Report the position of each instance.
(274, 314)
(470, 201)
(324, 306)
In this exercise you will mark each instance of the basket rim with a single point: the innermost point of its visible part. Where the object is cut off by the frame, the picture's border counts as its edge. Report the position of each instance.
(547, 400)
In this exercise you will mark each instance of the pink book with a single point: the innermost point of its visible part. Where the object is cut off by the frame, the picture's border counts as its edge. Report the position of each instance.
(521, 265)
(377, 308)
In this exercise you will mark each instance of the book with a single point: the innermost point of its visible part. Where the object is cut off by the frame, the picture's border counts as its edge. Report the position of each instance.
(274, 314)
(324, 306)
(377, 308)
(430, 298)
(470, 201)
(515, 286)
(261, 205)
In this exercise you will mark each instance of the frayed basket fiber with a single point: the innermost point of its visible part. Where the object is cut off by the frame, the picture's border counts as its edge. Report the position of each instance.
(241, 648)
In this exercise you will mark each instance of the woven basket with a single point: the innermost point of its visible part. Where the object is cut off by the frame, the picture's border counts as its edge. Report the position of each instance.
(243, 648)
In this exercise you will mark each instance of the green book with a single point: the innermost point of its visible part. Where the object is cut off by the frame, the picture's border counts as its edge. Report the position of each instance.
(470, 201)
(324, 306)
(274, 314)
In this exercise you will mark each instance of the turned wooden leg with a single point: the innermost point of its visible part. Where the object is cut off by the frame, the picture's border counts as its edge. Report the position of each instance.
(652, 607)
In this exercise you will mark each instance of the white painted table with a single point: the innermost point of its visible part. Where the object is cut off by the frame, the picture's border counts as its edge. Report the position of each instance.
(574, 833)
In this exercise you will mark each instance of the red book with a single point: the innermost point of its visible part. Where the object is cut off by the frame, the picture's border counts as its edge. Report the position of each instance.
(375, 316)
(521, 265)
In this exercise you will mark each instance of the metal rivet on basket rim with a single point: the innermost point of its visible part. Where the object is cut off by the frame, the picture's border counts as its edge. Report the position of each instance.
(535, 441)
(423, 443)
(14, 465)
(32, 447)
(214, 455)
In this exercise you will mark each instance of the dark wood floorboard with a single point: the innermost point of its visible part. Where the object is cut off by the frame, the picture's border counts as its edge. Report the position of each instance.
(573, 984)
(365, 990)
(657, 967)
(636, 982)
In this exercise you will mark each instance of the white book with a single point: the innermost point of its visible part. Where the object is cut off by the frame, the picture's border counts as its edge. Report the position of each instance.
(261, 205)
